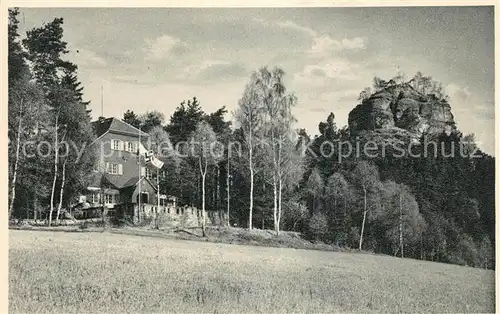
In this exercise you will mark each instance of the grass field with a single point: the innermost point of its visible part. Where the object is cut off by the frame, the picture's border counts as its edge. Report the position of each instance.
(92, 272)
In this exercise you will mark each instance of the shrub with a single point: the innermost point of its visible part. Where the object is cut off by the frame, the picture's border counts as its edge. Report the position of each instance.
(353, 237)
(318, 226)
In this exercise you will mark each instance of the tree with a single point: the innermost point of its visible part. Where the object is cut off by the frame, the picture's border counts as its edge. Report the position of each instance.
(204, 149)
(159, 143)
(278, 123)
(16, 61)
(184, 120)
(365, 94)
(26, 107)
(222, 129)
(296, 213)
(337, 188)
(182, 124)
(318, 226)
(77, 159)
(379, 84)
(400, 215)
(315, 188)
(365, 176)
(131, 118)
(249, 118)
(217, 122)
(45, 49)
(291, 171)
(151, 119)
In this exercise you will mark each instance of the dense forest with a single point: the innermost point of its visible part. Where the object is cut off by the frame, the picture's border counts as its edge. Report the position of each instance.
(437, 206)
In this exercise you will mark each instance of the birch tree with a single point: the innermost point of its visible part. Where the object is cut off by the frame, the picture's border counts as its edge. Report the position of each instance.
(278, 124)
(400, 215)
(26, 107)
(205, 150)
(249, 118)
(366, 176)
(291, 170)
(76, 157)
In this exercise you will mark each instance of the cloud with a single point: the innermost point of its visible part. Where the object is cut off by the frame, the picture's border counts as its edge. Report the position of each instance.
(164, 46)
(473, 115)
(222, 72)
(325, 46)
(458, 93)
(295, 26)
(213, 70)
(86, 58)
(328, 74)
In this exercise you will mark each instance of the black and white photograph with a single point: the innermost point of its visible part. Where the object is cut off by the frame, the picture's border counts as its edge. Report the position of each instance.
(250, 158)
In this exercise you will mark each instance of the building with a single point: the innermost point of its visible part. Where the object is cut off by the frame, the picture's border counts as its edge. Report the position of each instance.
(120, 176)
(121, 181)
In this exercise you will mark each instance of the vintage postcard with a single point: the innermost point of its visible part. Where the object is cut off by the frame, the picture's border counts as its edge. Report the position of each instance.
(232, 158)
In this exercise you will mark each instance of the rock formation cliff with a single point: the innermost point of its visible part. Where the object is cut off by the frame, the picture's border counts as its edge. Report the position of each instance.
(402, 108)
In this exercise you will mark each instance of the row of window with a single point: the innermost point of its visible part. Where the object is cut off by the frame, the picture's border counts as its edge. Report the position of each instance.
(108, 198)
(124, 145)
(115, 199)
(117, 169)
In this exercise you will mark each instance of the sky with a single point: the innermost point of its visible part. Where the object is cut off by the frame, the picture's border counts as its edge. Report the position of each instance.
(153, 59)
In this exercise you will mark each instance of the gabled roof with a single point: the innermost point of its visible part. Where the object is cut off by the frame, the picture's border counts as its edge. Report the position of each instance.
(134, 181)
(115, 125)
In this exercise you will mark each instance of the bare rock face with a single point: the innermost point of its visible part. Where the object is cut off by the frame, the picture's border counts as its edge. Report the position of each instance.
(402, 107)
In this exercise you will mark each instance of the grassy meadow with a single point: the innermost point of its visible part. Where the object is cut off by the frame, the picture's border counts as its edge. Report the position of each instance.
(89, 272)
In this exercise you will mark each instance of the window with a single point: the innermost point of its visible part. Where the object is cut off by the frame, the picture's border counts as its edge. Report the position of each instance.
(115, 144)
(146, 172)
(110, 198)
(113, 168)
(149, 173)
(131, 147)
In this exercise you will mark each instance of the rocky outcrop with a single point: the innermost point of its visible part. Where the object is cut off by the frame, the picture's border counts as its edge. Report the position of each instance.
(401, 107)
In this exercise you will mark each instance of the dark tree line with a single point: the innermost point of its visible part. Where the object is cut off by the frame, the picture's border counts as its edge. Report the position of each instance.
(46, 112)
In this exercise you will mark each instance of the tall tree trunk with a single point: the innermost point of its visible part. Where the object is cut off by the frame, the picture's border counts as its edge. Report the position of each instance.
(280, 185)
(280, 189)
(157, 225)
(364, 220)
(203, 174)
(250, 212)
(421, 247)
(401, 223)
(218, 195)
(198, 181)
(250, 165)
(35, 205)
(275, 209)
(345, 206)
(61, 192)
(56, 167)
(16, 163)
(213, 194)
(275, 187)
(228, 182)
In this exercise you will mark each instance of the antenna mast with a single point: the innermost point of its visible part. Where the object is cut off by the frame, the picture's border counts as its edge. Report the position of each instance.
(102, 101)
